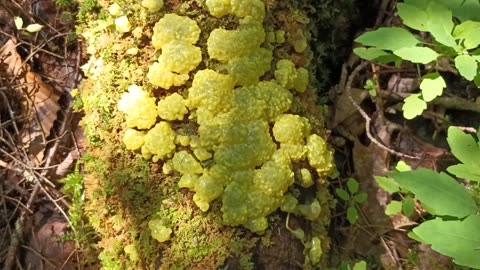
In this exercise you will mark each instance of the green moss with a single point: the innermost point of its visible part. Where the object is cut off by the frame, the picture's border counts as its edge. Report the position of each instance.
(87, 8)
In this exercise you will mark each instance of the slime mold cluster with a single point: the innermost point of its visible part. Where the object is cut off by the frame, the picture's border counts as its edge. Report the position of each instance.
(247, 139)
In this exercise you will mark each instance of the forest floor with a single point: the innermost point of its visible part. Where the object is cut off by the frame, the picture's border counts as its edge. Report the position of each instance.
(40, 142)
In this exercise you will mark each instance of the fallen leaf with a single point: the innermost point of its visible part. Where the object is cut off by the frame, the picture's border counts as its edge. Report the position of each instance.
(40, 102)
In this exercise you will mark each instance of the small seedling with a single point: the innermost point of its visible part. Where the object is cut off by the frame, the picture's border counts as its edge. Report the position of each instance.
(361, 265)
(407, 205)
(352, 197)
(371, 86)
(32, 28)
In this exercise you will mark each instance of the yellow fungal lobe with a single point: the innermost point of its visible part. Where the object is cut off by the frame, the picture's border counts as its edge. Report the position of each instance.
(180, 57)
(319, 156)
(185, 163)
(133, 139)
(152, 5)
(172, 107)
(159, 231)
(159, 142)
(173, 27)
(139, 108)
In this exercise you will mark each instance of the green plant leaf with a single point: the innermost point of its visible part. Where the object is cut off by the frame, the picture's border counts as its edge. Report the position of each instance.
(402, 166)
(352, 214)
(370, 53)
(18, 22)
(432, 86)
(376, 55)
(415, 237)
(463, 146)
(342, 194)
(468, 31)
(467, 66)
(360, 197)
(393, 208)
(345, 266)
(413, 16)
(461, 9)
(35, 27)
(361, 265)
(413, 106)
(420, 55)
(476, 80)
(454, 238)
(440, 23)
(352, 185)
(408, 206)
(476, 57)
(442, 194)
(298, 233)
(464, 9)
(387, 184)
(465, 171)
(423, 4)
(388, 38)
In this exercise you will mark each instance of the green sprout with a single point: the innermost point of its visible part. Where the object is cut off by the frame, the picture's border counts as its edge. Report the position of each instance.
(353, 198)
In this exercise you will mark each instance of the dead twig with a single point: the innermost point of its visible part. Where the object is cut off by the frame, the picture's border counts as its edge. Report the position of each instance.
(368, 120)
(16, 236)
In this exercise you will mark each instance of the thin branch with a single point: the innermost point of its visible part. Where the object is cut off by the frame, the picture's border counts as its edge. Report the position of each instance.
(368, 120)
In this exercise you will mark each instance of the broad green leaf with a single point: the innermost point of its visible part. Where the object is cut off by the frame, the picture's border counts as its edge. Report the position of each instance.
(408, 206)
(342, 194)
(418, 3)
(387, 59)
(439, 191)
(402, 166)
(387, 184)
(469, 32)
(463, 146)
(466, 171)
(432, 86)
(413, 106)
(440, 24)
(18, 22)
(370, 53)
(352, 185)
(415, 237)
(388, 38)
(360, 197)
(376, 55)
(352, 214)
(467, 66)
(476, 80)
(362, 265)
(454, 238)
(464, 9)
(413, 16)
(35, 27)
(420, 55)
(393, 208)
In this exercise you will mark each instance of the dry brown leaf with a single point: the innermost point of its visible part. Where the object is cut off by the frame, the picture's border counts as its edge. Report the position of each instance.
(396, 84)
(40, 103)
(344, 108)
(47, 248)
(64, 167)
